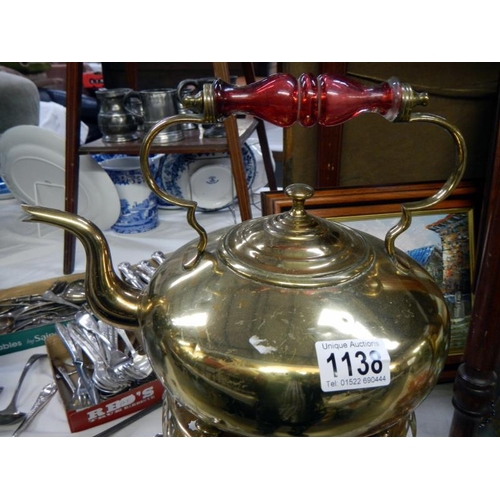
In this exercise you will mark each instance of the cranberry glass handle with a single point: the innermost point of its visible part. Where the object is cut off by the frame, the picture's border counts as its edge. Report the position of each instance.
(283, 100)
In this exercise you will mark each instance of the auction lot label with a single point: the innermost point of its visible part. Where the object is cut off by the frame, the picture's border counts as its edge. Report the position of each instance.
(348, 365)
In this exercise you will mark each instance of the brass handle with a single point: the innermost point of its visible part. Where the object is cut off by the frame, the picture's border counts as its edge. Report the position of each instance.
(453, 180)
(189, 204)
(407, 208)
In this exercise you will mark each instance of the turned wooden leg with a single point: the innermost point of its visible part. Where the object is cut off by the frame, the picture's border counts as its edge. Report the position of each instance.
(475, 382)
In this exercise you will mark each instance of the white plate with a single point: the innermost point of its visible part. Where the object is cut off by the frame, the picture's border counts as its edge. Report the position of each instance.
(32, 164)
(212, 187)
(176, 170)
(260, 169)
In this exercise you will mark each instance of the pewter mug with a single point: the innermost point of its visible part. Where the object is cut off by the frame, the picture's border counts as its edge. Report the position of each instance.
(116, 123)
(154, 105)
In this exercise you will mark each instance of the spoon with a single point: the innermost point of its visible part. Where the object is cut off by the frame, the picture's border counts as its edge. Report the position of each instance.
(52, 297)
(140, 361)
(6, 324)
(11, 415)
(31, 315)
(41, 401)
(75, 292)
(57, 287)
(25, 309)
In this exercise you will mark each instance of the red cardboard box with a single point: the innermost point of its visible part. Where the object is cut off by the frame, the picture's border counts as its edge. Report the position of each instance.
(122, 404)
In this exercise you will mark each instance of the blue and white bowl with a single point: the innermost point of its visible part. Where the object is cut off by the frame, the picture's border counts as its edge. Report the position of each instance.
(176, 171)
(4, 190)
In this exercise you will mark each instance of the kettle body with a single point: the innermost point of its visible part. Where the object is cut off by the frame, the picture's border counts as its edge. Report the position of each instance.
(239, 354)
(285, 325)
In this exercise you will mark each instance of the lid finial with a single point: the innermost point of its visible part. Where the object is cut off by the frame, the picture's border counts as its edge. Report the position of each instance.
(299, 193)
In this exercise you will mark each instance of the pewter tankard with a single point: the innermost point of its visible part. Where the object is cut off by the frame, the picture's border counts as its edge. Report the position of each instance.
(154, 105)
(115, 122)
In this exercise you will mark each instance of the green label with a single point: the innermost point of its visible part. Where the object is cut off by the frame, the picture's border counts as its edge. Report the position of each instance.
(19, 341)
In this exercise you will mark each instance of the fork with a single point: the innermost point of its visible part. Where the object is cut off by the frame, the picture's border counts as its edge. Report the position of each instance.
(79, 395)
(76, 354)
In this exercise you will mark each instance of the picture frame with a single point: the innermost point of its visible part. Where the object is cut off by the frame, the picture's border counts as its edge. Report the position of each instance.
(376, 209)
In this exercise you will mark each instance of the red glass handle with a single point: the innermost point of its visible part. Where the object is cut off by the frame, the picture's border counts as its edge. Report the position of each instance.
(283, 100)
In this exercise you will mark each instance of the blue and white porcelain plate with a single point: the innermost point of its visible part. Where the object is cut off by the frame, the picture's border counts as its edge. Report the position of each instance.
(4, 190)
(175, 172)
(103, 158)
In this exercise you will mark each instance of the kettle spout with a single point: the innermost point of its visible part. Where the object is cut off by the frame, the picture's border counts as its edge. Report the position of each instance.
(111, 299)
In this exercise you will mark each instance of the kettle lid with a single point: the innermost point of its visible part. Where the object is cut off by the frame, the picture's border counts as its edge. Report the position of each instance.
(296, 249)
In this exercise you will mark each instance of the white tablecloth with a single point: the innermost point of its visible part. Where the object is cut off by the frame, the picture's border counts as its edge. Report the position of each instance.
(26, 257)
(32, 252)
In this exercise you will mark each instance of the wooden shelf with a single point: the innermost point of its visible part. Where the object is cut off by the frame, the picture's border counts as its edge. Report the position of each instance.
(193, 142)
(237, 132)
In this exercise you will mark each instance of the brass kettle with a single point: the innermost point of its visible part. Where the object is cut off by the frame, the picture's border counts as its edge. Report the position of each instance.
(289, 324)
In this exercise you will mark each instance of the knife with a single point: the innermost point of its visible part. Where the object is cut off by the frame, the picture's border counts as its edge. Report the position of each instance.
(43, 398)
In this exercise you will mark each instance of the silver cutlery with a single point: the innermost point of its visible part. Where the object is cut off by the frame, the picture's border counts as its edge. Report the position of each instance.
(47, 307)
(50, 296)
(41, 401)
(140, 361)
(130, 276)
(111, 369)
(140, 275)
(44, 316)
(75, 351)
(104, 379)
(147, 268)
(137, 365)
(12, 315)
(11, 415)
(18, 316)
(56, 287)
(159, 257)
(79, 395)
